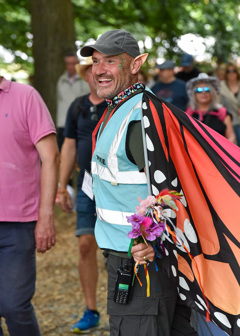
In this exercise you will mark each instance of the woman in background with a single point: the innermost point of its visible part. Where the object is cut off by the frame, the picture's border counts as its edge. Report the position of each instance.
(203, 92)
(230, 96)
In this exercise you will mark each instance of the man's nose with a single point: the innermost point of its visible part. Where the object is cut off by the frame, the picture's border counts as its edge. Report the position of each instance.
(100, 68)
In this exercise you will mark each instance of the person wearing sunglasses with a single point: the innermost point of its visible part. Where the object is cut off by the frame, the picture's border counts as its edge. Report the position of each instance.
(203, 92)
(230, 96)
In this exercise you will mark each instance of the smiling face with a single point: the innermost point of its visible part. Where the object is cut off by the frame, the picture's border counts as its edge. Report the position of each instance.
(204, 97)
(113, 74)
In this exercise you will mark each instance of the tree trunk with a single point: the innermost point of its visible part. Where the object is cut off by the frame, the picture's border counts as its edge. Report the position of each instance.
(53, 35)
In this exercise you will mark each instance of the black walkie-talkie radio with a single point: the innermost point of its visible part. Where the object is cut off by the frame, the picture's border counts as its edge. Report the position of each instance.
(123, 285)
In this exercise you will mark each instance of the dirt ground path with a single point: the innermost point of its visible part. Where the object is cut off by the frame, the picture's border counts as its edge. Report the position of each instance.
(59, 300)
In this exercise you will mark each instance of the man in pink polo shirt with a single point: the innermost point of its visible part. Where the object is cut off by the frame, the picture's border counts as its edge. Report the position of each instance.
(29, 162)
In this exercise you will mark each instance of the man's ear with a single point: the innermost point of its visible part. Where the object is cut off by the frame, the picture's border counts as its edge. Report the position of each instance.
(138, 62)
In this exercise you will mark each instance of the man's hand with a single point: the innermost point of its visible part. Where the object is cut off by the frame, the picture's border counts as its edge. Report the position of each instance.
(45, 233)
(65, 203)
(143, 253)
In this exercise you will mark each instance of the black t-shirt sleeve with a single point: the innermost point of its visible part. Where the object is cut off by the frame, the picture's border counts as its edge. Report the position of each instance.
(70, 128)
(134, 144)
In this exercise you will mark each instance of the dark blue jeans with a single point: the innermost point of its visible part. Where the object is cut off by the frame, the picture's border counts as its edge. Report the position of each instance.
(17, 278)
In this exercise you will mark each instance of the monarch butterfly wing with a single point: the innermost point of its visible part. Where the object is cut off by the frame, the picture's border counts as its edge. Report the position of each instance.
(188, 156)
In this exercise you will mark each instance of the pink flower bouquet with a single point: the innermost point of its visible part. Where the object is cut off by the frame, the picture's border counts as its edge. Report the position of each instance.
(149, 221)
(149, 224)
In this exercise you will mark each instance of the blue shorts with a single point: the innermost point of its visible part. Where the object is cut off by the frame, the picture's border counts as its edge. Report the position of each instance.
(86, 214)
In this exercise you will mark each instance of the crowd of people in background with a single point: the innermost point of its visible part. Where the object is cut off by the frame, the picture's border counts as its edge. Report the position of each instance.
(171, 85)
(168, 82)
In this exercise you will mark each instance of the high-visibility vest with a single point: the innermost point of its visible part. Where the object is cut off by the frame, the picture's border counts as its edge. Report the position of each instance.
(117, 183)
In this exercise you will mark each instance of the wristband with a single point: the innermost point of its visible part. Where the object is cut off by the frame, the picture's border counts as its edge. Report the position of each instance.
(62, 192)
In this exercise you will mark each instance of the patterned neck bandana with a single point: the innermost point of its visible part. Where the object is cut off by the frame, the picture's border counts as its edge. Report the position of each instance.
(124, 94)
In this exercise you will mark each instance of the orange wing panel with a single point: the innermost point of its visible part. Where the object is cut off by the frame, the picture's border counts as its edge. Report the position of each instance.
(219, 284)
(198, 205)
(185, 268)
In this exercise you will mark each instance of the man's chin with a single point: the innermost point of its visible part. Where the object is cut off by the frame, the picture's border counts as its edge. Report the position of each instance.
(104, 94)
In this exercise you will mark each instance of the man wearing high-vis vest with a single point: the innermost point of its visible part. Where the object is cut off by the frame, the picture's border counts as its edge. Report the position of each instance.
(119, 178)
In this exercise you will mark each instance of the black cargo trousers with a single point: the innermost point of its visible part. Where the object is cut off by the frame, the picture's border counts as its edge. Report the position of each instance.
(161, 314)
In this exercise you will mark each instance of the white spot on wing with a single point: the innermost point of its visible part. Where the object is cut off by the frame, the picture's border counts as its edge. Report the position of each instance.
(159, 176)
(199, 306)
(183, 283)
(182, 296)
(189, 231)
(150, 146)
(174, 270)
(223, 319)
(146, 122)
(175, 182)
(155, 190)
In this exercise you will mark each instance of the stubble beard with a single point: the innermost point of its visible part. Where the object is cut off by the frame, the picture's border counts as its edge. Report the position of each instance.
(104, 96)
(108, 95)
(101, 92)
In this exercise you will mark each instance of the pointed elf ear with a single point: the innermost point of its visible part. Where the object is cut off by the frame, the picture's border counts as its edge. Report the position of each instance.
(138, 62)
(142, 57)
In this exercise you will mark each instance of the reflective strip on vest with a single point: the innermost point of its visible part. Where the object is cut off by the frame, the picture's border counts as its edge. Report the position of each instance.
(111, 216)
(132, 177)
(112, 173)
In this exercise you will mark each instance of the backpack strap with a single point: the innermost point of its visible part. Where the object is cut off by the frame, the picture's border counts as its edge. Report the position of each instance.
(77, 109)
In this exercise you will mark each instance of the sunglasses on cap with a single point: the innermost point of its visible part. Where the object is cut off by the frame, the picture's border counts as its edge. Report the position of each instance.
(200, 89)
(231, 70)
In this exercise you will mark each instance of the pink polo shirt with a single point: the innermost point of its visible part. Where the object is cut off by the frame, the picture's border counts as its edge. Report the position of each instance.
(24, 120)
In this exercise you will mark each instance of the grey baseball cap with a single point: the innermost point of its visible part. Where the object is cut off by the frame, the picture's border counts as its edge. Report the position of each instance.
(168, 64)
(113, 42)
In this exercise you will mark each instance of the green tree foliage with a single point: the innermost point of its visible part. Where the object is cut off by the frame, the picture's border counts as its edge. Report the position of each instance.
(217, 18)
(15, 29)
(162, 21)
